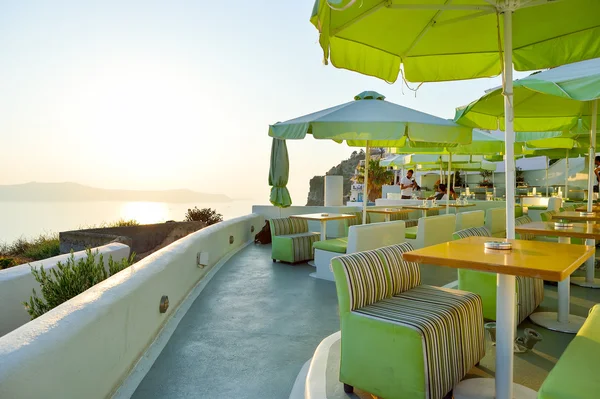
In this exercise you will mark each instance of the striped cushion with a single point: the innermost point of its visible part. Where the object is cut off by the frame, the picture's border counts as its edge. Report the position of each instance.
(302, 245)
(411, 222)
(547, 216)
(367, 278)
(403, 275)
(524, 220)
(450, 323)
(284, 226)
(530, 293)
(399, 216)
(433, 212)
(472, 232)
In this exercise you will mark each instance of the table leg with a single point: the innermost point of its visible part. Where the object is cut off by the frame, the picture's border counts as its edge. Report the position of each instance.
(388, 217)
(561, 321)
(323, 230)
(424, 213)
(589, 281)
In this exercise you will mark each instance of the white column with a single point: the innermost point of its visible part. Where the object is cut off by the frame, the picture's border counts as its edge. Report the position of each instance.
(547, 162)
(567, 176)
(366, 181)
(592, 155)
(448, 185)
(334, 190)
(505, 334)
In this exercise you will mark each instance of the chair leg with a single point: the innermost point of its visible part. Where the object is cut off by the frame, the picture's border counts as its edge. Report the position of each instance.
(348, 388)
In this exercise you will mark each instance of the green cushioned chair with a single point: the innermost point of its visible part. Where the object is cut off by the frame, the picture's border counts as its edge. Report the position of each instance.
(547, 216)
(338, 245)
(530, 291)
(575, 375)
(537, 207)
(411, 232)
(495, 221)
(404, 216)
(400, 339)
(523, 220)
(291, 240)
(518, 211)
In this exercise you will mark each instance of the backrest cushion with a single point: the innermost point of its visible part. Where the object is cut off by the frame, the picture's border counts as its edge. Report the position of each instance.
(357, 219)
(284, 226)
(495, 220)
(518, 211)
(465, 220)
(436, 229)
(547, 216)
(375, 235)
(472, 232)
(403, 275)
(554, 204)
(366, 278)
(522, 220)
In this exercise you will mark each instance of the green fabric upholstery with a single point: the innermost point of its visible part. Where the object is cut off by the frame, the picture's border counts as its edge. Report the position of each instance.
(411, 222)
(530, 291)
(547, 216)
(338, 245)
(411, 232)
(291, 240)
(523, 220)
(471, 232)
(417, 343)
(575, 375)
(433, 212)
(518, 211)
(537, 207)
(570, 208)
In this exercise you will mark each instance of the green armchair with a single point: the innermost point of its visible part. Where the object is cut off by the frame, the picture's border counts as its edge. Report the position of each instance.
(291, 240)
(401, 339)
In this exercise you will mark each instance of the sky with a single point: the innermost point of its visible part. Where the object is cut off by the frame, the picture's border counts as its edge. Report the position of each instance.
(178, 94)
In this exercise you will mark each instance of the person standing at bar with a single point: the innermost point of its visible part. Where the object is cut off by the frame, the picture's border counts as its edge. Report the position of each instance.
(407, 184)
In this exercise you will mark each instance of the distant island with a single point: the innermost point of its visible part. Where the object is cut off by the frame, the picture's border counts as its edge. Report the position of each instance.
(77, 192)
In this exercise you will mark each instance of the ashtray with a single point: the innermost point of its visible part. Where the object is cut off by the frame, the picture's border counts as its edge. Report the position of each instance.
(563, 225)
(503, 245)
(586, 213)
(388, 209)
(324, 214)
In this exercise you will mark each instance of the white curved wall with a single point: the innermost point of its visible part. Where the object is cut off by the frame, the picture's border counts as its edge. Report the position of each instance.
(85, 347)
(17, 283)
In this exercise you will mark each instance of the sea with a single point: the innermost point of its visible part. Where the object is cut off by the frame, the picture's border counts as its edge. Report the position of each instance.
(30, 219)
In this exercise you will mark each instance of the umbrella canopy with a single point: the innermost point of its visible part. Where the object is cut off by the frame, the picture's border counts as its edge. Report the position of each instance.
(558, 99)
(434, 40)
(279, 171)
(370, 118)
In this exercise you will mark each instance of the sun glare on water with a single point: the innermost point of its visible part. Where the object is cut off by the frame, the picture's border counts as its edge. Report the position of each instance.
(145, 212)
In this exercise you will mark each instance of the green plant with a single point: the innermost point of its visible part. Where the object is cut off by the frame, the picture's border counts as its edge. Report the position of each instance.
(123, 223)
(5, 263)
(70, 279)
(42, 247)
(207, 215)
(378, 176)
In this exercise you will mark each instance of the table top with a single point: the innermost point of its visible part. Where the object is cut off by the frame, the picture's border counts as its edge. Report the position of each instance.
(577, 216)
(545, 260)
(388, 210)
(595, 208)
(324, 216)
(455, 205)
(579, 230)
(425, 208)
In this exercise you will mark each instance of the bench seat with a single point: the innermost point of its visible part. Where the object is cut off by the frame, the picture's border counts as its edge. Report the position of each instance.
(411, 232)
(537, 207)
(575, 375)
(338, 245)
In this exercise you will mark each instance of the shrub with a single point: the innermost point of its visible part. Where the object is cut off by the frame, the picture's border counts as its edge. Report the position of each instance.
(207, 215)
(123, 223)
(5, 263)
(27, 250)
(70, 279)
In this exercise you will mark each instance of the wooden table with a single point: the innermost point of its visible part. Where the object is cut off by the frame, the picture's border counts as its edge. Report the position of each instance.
(548, 261)
(562, 320)
(388, 212)
(423, 208)
(459, 206)
(590, 280)
(324, 218)
(595, 208)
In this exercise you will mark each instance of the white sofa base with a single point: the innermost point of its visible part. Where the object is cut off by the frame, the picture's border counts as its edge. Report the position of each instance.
(323, 264)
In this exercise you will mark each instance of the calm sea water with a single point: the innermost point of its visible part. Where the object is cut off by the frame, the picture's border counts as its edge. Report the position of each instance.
(28, 219)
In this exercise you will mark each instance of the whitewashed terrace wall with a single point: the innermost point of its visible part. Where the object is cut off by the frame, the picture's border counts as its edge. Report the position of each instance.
(17, 283)
(85, 347)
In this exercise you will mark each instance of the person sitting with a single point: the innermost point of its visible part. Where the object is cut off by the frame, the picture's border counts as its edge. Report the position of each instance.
(453, 194)
(440, 194)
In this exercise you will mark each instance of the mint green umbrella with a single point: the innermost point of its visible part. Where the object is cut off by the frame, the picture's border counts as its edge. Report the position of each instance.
(279, 172)
(440, 40)
(369, 121)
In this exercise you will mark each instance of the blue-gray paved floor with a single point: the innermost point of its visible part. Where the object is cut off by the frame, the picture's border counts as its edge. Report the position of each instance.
(247, 334)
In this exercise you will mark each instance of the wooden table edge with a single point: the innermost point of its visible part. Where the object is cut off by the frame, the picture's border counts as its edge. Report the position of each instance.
(325, 218)
(561, 233)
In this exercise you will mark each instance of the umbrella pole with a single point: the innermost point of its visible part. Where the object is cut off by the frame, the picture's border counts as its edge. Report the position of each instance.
(590, 280)
(366, 182)
(505, 309)
(448, 185)
(567, 176)
(547, 162)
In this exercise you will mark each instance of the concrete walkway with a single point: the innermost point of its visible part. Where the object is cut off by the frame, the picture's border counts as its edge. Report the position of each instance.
(248, 333)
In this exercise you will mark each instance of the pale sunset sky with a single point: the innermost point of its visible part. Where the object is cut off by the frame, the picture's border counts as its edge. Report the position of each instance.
(174, 94)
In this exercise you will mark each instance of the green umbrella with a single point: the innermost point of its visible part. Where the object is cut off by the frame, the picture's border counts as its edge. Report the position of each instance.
(439, 40)
(369, 121)
(279, 172)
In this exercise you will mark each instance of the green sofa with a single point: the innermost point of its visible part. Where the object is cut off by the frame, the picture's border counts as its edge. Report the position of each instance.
(291, 240)
(401, 339)
(575, 375)
(530, 291)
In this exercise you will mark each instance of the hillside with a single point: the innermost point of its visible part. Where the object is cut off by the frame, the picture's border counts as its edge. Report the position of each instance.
(78, 192)
(346, 168)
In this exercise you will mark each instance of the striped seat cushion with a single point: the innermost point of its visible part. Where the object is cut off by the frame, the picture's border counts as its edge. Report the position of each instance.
(530, 294)
(367, 278)
(547, 216)
(472, 232)
(433, 212)
(411, 222)
(399, 216)
(524, 220)
(450, 323)
(302, 245)
(403, 275)
(285, 226)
